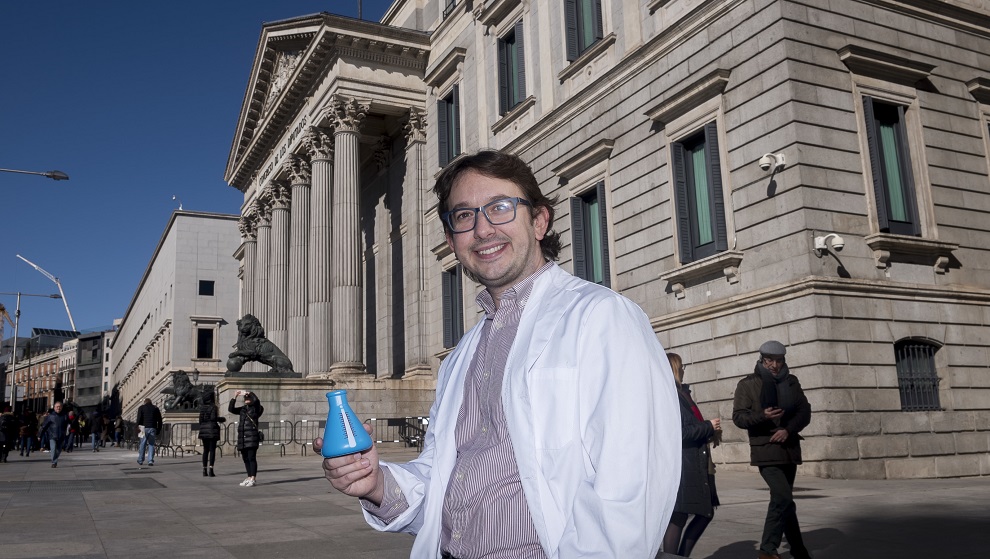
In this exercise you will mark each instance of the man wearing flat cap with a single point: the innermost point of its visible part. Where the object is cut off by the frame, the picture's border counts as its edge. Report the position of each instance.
(772, 408)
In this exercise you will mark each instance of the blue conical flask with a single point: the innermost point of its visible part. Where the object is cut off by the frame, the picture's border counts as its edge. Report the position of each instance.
(344, 433)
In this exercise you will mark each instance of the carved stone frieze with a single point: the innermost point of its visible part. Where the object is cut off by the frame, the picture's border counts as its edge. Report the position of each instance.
(298, 169)
(248, 226)
(319, 143)
(415, 126)
(281, 194)
(347, 113)
(285, 65)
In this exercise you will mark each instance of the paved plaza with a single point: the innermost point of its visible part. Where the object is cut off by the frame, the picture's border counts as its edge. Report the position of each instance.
(104, 505)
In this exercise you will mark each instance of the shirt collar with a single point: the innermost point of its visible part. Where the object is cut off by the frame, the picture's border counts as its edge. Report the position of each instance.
(519, 292)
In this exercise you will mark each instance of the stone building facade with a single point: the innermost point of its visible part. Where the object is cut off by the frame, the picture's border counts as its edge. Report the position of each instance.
(808, 171)
(183, 315)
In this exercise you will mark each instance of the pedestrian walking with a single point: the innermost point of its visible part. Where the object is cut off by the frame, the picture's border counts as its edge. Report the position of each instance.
(93, 425)
(149, 419)
(9, 427)
(209, 430)
(249, 436)
(28, 432)
(696, 495)
(773, 409)
(118, 431)
(55, 429)
(69, 444)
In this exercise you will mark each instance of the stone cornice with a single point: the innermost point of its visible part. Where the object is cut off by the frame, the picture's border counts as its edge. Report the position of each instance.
(979, 88)
(445, 67)
(585, 159)
(691, 96)
(817, 285)
(882, 65)
(322, 38)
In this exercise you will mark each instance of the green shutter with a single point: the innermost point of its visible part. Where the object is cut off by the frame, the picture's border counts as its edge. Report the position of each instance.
(872, 140)
(520, 64)
(578, 247)
(603, 224)
(715, 186)
(682, 211)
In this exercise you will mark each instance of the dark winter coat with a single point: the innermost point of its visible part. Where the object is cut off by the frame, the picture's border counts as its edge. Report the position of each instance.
(247, 424)
(747, 413)
(694, 496)
(9, 427)
(149, 416)
(55, 425)
(209, 421)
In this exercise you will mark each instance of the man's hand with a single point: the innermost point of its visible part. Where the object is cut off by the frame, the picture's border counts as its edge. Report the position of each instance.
(358, 475)
(779, 436)
(773, 413)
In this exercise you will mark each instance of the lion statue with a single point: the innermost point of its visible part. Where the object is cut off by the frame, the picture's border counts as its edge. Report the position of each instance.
(183, 394)
(252, 345)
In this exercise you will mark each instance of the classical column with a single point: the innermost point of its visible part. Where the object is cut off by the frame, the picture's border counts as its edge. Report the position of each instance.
(413, 246)
(299, 177)
(348, 316)
(249, 231)
(319, 144)
(263, 209)
(278, 267)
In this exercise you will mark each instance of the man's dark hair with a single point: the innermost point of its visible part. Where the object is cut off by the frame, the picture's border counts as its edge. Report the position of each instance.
(506, 166)
(147, 400)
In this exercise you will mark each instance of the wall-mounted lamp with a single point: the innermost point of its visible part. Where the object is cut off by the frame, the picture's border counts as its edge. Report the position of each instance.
(822, 244)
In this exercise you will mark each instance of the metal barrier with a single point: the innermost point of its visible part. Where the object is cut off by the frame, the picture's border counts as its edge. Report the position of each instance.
(409, 431)
(182, 437)
(277, 433)
(305, 430)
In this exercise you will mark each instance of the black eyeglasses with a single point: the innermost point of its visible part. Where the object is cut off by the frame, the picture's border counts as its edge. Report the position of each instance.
(499, 212)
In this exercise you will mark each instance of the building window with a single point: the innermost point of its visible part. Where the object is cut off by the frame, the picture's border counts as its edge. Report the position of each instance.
(448, 7)
(700, 211)
(590, 236)
(449, 115)
(511, 69)
(453, 306)
(890, 165)
(916, 375)
(206, 288)
(584, 25)
(204, 343)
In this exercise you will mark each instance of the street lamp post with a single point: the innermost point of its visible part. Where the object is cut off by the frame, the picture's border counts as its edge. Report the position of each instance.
(13, 355)
(54, 175)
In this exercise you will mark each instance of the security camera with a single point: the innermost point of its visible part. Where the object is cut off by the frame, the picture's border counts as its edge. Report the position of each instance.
(773, 161)
(822, 244)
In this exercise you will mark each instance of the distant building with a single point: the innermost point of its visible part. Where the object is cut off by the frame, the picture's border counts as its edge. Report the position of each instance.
(92, 368)
(183, 315)
(67, 357)
(37, 366)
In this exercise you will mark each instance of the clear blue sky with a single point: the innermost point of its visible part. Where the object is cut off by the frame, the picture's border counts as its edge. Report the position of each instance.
(136, 102)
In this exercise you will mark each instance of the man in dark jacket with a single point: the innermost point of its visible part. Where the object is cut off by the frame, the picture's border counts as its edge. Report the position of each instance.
(54, 429)
(149, 417)
(771, 406)
(9, 426)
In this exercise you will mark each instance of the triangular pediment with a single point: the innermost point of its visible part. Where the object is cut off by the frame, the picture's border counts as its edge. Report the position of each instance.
(292, 57)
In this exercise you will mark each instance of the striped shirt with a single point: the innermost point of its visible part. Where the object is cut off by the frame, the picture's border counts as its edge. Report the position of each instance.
(485, 513)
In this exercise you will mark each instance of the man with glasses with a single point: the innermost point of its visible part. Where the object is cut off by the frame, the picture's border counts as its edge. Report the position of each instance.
(771, 406)
(555, 432)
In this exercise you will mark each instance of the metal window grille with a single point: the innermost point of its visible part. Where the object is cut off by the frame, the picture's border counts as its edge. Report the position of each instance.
(916, 376)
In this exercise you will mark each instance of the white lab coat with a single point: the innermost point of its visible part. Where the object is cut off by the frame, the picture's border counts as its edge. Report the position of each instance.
(594, 421)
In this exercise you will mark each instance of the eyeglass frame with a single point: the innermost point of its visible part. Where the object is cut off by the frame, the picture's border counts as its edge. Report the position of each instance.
(516, 200)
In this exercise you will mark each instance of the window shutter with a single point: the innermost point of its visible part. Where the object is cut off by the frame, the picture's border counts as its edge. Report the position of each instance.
(577, 238)
(503, 77)
(714, 169)
(606, 269)
(448, 308)
(570, 26)
(879, 189)
(455, 141)
(682, 212)
(520, 63)
(907, 173)
(597, 22)
(442, 140)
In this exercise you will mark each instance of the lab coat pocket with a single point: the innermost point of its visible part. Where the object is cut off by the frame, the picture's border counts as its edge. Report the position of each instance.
(554, 399)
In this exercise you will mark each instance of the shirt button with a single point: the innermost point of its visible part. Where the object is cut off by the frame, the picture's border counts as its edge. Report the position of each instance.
(486, 375)
(459, 476)
(456, 535)
(397, 491)
(484, 429)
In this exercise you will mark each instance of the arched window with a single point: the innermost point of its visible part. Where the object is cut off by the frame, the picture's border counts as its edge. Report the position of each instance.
(916, 375)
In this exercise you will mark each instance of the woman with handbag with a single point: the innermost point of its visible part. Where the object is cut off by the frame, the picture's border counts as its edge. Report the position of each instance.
(209, 429)
(696, 495)
(249, 436)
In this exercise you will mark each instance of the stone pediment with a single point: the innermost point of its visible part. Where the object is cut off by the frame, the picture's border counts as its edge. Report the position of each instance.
(292, 57)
